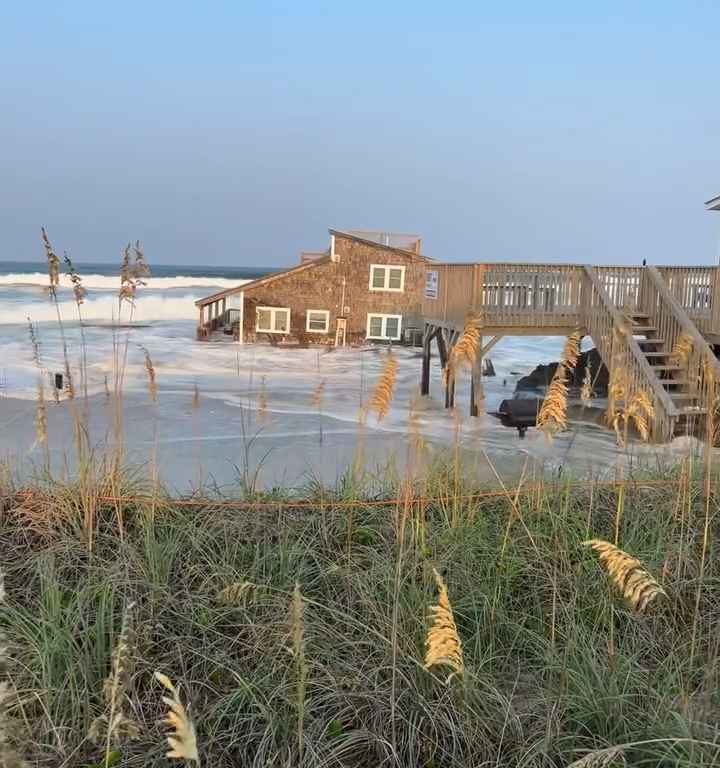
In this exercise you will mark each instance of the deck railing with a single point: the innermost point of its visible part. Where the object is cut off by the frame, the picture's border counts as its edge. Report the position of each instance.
(700, 367)
(622, 285)
(507, 295)
(610, 330)
(696, 290)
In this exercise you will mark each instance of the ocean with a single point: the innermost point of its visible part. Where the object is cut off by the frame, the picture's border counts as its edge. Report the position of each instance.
(293, 440)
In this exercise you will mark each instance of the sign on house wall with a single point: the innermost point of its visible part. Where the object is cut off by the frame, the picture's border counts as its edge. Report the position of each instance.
(431, 284)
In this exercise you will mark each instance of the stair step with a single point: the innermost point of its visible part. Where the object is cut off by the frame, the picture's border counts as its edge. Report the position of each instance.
(651, 341)
(666, 368)
(674, 382)
(642, 315)
(644, 329)
(682, 396)
(657, 354)
(693, 410)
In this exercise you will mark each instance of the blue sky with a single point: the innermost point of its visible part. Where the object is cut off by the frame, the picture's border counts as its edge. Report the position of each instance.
(238, 132)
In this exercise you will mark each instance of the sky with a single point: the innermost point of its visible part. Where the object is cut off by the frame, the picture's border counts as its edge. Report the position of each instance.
(239, 132)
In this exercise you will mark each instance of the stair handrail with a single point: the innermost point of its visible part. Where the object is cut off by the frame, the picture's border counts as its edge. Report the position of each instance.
(705, 355)
(620, 331)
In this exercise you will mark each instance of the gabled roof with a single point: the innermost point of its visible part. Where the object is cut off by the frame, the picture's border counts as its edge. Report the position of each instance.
(714, 204)
(262, 281)
(307, 265)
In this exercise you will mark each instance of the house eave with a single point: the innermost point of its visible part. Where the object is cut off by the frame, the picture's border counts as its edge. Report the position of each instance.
(713, 205)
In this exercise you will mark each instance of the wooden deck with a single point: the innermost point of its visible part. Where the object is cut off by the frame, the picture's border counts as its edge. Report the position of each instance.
(634, 315)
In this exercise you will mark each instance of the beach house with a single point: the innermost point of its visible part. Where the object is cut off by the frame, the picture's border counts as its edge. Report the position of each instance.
(365, 286)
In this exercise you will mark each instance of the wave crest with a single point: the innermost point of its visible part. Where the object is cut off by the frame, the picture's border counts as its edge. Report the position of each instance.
(112, 282)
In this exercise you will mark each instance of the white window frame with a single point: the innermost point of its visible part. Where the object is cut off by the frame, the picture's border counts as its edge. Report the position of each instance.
(386, 282)
(273, 311)
(324, 312)
(384, 319)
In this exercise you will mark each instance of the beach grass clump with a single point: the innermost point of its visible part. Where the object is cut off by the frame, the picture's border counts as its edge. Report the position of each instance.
(350, 670)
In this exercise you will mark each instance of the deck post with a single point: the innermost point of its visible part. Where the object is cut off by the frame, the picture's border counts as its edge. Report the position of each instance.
(427, 353)
(201, 312)
(450, 392)
(477, 391)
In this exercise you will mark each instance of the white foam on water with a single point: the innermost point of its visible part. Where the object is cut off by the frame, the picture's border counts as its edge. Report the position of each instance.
(112, 282)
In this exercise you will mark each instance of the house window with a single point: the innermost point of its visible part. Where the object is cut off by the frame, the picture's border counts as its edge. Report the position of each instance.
(384, 327)
(386, 277)
(318, 321)
(273, 320)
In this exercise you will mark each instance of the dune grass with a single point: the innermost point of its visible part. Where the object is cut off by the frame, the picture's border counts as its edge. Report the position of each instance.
(319, 660)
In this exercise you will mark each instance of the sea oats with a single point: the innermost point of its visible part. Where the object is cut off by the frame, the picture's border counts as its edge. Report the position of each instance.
(52, 260)
(553, 411)
(78, 289)
(630, 577)
(181, 738)
(465, 350)
(116, 725)
(586, 392)
(682, 349)
(442, 643)
(385, 388)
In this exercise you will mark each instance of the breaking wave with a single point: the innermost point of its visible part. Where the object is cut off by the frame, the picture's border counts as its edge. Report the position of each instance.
(148, 308)
(112, 282)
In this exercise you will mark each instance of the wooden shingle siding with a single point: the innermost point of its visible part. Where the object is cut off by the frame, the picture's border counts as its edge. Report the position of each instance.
(336, 285)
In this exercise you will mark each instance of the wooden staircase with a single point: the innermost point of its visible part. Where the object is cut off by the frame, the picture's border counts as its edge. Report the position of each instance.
(640, 337)
(669, 371)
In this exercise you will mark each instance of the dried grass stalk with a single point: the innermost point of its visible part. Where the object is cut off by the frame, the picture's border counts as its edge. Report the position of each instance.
(639, 413)
(237, 592)
(466, 349)
(297, 629)
(586, 391)
(78, 289)
(553, 411)
(442, 643)
(385, 388)
(630, 577)
(182, 738)
(52, 260)
(318, 395)
(600, 758)
(34, 343)
(571, 350)
(41, 434)
(262, 401)
(117, 725)
(133, 272)
(152, 380)
(682, 349)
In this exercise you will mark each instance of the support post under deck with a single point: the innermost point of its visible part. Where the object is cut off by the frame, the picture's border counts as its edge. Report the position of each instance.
(427, 353)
